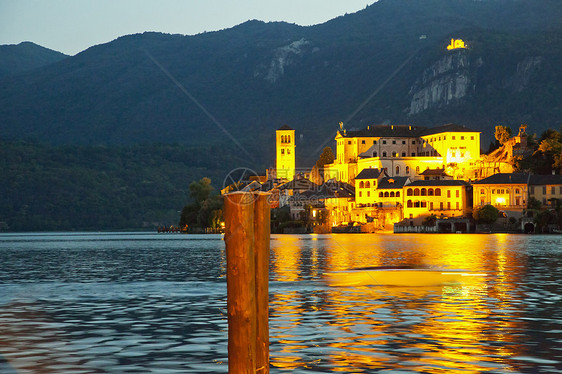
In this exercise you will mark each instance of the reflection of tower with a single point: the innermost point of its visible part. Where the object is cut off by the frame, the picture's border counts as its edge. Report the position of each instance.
(285, 140)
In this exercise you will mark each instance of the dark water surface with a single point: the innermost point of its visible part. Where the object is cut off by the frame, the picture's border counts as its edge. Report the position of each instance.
(148, 303)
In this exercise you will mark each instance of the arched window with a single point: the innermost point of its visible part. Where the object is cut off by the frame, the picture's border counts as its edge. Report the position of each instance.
(407, 170)
(393, 153)
(416, 204)
(409, 192)
(397, 193)
(367, 184)
(409, 204)
(437, 192)
(381, 194)
(361, 184)
(374, 154)
(417, 192)
(386, 194)
(417, 169)
(288, 138)
(384, 154)
(430, 192)
(397, 170)
(392, 194)
(423, 192)
(424, 204)
(449, 193)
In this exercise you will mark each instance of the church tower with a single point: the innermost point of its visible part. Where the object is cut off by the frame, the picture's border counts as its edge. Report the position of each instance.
(285, 141)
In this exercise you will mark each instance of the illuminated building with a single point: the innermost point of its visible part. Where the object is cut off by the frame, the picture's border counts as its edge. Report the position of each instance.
(366, 185)
(456, 44)
(442, 198)
(285, 156)
(506, 191)
(546, 189)
(405, 150)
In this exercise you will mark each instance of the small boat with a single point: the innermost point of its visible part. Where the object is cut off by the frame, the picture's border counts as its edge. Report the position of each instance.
(400, 276)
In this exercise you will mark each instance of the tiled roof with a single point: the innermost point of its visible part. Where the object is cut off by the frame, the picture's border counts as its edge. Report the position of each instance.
(369, 173)
(386, 131)
(392, 182)
(285, 127)
(438, 183)
(545, 179)
(428, 172)
(334, 188)
(506, 178)
(402, 131)
(451, 127)
(299, 184)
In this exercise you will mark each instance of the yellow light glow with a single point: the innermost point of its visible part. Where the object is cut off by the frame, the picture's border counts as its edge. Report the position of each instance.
(456, 44)
(500, 200)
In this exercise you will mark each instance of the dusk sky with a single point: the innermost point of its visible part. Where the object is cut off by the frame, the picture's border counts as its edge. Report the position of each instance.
(71, 26)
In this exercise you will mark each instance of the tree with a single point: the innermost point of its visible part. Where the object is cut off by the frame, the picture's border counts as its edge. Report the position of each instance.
(205, 209)
(200, 191)
(502, 134)
(487, 214)
(327, 157)
(551, 148)
(534, 204)
(430, 220)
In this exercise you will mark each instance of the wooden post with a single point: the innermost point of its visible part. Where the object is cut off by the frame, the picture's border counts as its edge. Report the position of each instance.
(262, 231)
(241, 282)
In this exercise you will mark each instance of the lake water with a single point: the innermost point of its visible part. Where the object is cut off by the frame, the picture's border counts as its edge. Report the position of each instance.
(148, 303)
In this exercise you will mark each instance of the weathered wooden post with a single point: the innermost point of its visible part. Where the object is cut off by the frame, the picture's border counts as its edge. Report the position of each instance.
(240, 282)
(262, 233)
(247, 235)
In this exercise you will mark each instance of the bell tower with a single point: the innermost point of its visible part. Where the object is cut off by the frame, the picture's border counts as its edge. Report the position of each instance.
(285, 141)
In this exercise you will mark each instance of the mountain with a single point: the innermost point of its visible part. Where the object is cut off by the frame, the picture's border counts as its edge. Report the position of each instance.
(216, 99)
(239, 84)
(26, 56)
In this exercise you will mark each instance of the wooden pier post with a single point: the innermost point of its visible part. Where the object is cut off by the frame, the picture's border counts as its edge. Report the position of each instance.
(247, 235)
(262, 233)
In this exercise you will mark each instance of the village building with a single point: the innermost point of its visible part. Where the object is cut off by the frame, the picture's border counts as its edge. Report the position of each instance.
(285, 153)
(506, 191)
(442, 198)
(546, 189)
(404, 176)
(405, 150)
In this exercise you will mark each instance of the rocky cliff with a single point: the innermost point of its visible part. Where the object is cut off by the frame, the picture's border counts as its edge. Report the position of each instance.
(447, 80)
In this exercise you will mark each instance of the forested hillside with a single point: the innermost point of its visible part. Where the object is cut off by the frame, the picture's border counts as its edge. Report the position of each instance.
(26, 56)
(218, 98)
(47, 188)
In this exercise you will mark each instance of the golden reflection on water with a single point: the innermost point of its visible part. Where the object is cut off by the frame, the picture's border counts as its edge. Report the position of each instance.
(428, 329)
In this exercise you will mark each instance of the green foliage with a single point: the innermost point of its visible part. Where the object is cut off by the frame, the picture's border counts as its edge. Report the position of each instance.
(546, 156)
(502, 134)
(45, 188)
(534, 204)
(430, 220)
(486, 214)
(205, 209)
(327, 157)
(200, 191)
(551, 148)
